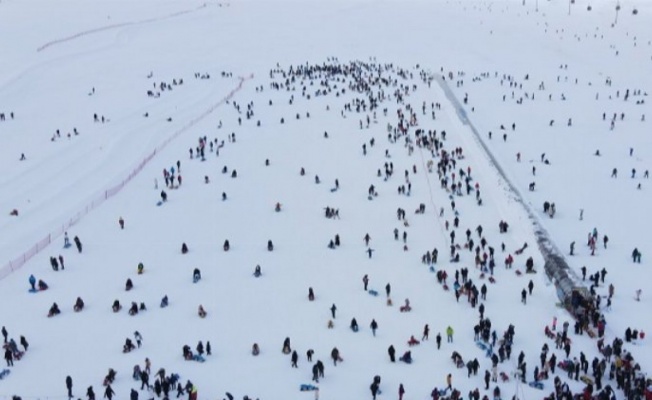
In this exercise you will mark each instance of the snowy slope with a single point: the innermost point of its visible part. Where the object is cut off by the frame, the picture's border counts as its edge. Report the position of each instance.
(113, 46)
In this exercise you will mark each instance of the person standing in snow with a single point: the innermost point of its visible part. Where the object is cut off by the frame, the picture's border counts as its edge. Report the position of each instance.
(392, 353)
(108, 392)
(333, 309)
(32, 282)
(401, 391)
(449, 334)
(23, 342)
(374, 326)
(78, 243)
(90, 393)
(335, 355)
(9, 357)
(69, 386)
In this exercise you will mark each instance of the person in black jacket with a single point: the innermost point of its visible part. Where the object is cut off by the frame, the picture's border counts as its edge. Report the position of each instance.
(392, 353)
(69, 386)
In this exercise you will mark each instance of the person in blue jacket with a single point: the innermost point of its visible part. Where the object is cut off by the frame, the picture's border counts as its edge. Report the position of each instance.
(32, 282)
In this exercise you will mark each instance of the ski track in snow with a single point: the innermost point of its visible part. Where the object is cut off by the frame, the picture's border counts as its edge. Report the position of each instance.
(89, 32)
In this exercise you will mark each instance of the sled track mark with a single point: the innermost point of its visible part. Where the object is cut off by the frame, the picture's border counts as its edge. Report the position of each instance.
(117, 25)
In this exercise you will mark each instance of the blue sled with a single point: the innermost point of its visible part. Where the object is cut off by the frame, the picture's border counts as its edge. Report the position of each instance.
(4, 373)
(373, 292)
(536, 385)
(305, 387)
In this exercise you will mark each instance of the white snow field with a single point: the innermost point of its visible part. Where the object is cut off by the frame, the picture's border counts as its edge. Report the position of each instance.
(534, 64)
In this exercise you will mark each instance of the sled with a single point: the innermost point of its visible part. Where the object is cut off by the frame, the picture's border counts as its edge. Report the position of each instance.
(586, 379)
(4, 373)
(492, 279)
(370, 197)
(333, 190)
(482, 345)
(536, 385)
(373, 292)
(306, 387)
(431, 269)
(159, 203)
(33, 290)
(67, 245)
(504, 377)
